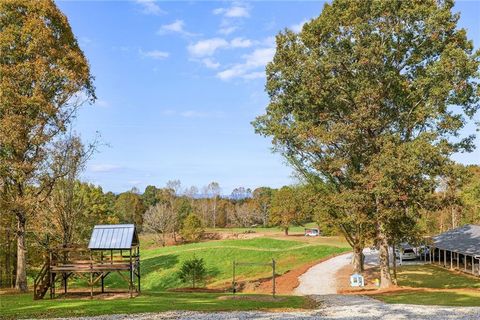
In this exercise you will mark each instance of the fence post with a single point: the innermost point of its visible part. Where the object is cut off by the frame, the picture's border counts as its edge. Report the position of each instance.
(273, 277)
(233, 278)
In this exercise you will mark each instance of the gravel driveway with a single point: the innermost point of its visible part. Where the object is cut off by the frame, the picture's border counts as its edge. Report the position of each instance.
(334, 307)
(320, 279)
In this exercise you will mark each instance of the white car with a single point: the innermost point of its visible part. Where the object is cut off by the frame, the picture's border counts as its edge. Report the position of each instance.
(406, 254)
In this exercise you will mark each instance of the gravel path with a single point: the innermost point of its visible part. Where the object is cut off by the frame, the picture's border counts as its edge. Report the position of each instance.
(320, 279)
(333, 307)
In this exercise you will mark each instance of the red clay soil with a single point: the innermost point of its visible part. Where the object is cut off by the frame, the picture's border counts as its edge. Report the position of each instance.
(285, 283)
(202, 290)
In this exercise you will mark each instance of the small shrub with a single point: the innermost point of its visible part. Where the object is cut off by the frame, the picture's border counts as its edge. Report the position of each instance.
(193, 271)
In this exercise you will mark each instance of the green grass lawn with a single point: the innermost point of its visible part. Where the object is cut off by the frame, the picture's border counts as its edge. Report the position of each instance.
(22, 306)
(458, 289)
(431, 276)
(160, 265)
(159, 268)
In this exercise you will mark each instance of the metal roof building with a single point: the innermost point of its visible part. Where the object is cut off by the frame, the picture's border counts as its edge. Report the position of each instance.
(464, 240)
(113, 237)
(458, 249)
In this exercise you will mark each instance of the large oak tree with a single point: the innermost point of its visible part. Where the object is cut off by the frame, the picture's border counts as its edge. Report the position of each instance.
(44, 77)
(370, 97)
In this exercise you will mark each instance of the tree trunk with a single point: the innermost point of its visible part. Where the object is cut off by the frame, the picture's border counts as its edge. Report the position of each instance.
(215, 212)
(385, 277)
(8, 254)
(394, 262)
(357, 259)
(286, 231)
(21, 278)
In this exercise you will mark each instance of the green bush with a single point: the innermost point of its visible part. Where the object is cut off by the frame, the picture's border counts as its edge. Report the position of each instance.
(193, 271)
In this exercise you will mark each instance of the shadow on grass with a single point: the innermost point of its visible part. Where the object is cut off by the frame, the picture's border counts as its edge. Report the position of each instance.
(429, 276)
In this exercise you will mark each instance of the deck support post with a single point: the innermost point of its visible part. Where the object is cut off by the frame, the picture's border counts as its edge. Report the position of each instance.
(131, 275)
(91, 275)
(138, 268)
(65, 285)
(473, 265)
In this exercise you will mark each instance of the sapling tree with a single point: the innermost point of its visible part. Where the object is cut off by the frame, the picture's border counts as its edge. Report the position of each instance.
(193, 271)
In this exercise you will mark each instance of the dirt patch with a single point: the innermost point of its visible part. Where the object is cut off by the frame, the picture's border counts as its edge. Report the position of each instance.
(84, 295)
(369, 275)
(10, 291)
(285, 283)
(253, 298)
(202, 290)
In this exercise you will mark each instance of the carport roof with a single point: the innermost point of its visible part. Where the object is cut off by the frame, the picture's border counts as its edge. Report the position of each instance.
(464, 240)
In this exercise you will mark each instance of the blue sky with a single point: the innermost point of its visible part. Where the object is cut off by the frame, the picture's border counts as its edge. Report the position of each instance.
(178, 84)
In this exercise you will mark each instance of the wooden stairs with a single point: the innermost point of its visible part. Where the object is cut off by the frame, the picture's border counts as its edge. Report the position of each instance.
(42, 282)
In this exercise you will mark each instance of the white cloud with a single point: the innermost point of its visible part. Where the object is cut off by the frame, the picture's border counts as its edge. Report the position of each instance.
(241, 43)
(178, 26)
(104, 167)
(227, 30)
(235, 11)
(150, 7)
(249, 68)
(210, 63)
(231, 17)
(298, 27)
(192, 114)
(254, 75)
(155, 54)
(207, 47)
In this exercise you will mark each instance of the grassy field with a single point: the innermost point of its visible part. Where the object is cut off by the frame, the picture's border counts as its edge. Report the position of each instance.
(159, 273)
(22, 306)
(160, 265)
(291, 230)
(442, 287)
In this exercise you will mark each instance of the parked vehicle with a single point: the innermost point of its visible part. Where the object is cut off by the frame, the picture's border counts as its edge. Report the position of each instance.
(406, 254)
(312, 232)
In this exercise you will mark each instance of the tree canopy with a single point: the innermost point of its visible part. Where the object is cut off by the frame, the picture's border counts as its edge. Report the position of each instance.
(370, 97)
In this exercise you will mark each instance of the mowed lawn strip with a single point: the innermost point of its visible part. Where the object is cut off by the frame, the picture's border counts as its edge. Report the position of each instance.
(442, 287)
(22, 306)
(160, 265)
